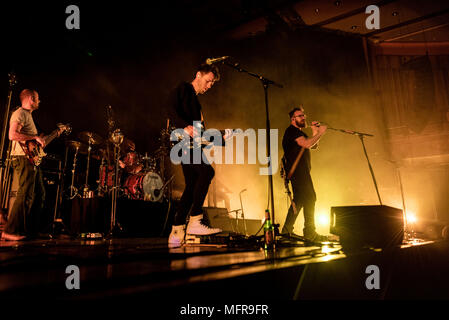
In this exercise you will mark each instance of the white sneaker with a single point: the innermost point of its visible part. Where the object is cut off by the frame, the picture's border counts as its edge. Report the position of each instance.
(197, 227)
(177, 235)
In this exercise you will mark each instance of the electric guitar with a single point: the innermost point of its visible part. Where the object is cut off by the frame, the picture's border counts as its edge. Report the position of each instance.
(200, 141)
(34, 151)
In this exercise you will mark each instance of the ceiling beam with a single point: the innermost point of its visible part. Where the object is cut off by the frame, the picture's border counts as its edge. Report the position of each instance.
(350, 14)
(409, 34)
(406, 23)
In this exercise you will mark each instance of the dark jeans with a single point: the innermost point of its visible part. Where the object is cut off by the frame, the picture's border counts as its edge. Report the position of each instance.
(304, 197)
(197, 178)
(25, 213)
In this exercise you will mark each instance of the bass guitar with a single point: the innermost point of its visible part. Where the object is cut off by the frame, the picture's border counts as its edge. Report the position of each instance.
(34, 151)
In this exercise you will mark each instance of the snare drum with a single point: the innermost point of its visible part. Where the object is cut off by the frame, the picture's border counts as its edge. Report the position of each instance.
(144, 186)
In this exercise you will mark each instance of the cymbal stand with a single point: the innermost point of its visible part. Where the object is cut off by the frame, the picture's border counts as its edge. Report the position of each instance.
(73, 189)
(117, 138)
(86, 191)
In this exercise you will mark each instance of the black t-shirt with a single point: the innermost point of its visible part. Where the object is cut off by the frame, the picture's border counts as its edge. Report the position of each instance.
(184, 106)
(292, 149)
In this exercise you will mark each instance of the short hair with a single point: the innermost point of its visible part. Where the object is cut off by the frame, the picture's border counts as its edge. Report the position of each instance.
(26, 93)
(206, 68)
(292, 112)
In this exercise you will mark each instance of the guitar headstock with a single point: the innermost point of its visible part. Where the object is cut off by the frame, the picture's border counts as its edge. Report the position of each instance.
(66, 128)
(12, 79)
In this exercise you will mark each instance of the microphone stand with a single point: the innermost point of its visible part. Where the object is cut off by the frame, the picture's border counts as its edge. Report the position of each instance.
(362, 135)
(265, 83)
(243, 214)
(5, 164)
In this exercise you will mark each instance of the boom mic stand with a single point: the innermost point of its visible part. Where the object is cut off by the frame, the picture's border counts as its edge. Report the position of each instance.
(5, 165)
(362, 135)
(265, 83)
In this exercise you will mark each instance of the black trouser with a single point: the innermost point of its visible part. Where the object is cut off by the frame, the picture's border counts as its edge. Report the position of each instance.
(25, 213)
(197, 178)
(304, 197)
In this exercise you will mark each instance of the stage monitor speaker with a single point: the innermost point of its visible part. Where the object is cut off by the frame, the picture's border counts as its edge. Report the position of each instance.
(373, 226)
(219, 218)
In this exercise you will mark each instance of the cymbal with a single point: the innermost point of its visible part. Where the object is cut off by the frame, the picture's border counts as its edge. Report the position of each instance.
(87, 136)
(82, 148)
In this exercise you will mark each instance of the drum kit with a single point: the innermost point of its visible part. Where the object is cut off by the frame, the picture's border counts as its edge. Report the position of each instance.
(132, 175)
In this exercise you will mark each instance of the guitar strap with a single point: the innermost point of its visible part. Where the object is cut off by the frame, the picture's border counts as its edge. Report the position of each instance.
(295, 164)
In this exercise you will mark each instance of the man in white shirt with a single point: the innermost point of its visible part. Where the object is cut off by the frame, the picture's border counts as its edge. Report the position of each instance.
(24, 215)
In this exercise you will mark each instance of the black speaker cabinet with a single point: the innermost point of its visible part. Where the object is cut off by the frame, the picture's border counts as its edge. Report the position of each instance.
(373, 226)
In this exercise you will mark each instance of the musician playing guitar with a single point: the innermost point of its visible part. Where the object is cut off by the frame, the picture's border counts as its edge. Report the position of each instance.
(23, 219)
(184, 111)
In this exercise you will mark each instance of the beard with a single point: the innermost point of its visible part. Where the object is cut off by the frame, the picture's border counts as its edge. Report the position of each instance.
(301, 124)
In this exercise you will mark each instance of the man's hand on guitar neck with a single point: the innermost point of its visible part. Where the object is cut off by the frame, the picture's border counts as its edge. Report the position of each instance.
(60, 131)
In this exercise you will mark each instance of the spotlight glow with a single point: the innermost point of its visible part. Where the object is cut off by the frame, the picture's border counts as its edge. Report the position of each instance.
(323, 219)
(411, 217)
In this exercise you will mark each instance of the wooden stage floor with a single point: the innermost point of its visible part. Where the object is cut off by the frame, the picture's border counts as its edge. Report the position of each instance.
(133, 268)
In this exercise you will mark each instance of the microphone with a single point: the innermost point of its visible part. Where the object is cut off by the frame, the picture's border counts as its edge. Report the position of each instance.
(215, 60)
(317, 124)
(242, 191)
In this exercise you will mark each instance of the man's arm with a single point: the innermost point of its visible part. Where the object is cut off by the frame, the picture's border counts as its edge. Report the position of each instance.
(311, 142)
(16, 135)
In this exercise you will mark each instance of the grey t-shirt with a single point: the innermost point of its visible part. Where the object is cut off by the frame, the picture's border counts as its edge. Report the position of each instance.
(24, 118)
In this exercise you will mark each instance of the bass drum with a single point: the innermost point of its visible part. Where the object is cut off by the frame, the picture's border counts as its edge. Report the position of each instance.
(144, 186)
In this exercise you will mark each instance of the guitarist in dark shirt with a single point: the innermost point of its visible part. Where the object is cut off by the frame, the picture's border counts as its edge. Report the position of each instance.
(184, 109)
(295, 142)
(24, 216)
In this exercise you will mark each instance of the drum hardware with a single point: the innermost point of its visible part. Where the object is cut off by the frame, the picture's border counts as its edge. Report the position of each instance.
(146, 161)
(160, 192)
(116, 138)
(58, 227)
(91, 139)
(73, 191)
(149, 163)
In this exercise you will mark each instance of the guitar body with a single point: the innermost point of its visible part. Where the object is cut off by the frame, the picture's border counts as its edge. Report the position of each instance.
(34, 151)
(200, 141)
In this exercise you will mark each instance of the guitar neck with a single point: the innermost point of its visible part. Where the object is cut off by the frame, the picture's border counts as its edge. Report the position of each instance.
(51, 136)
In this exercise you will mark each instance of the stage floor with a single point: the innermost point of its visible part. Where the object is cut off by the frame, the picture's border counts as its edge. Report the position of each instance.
(131, 268)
